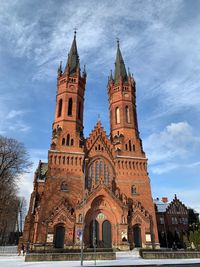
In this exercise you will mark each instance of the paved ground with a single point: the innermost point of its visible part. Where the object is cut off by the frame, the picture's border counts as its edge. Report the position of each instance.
(123, 259)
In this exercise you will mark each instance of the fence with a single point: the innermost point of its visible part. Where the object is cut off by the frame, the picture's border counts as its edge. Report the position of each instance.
(8, 250)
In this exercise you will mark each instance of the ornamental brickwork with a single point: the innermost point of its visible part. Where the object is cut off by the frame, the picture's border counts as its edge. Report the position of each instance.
(96, 186)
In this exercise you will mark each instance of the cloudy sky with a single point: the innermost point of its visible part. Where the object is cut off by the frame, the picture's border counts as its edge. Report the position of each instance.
(160, 42)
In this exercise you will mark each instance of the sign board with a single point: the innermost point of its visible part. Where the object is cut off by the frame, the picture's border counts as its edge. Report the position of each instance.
(79, 235)
(50, 238)
(148, 238)
(124, 235)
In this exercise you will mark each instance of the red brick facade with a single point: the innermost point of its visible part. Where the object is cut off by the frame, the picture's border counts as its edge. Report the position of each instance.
(172, 221)
(94, 182)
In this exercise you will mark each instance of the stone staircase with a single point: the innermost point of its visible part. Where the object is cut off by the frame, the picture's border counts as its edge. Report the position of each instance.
(8, 250)
(128, 254)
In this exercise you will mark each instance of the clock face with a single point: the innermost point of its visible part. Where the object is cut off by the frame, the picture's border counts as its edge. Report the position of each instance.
(126, 95)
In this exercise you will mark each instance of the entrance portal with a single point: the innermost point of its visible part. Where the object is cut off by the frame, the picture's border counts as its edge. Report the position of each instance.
(59, 237)
(94, 233)
(106, 232)
(100, 235)
(137, 235)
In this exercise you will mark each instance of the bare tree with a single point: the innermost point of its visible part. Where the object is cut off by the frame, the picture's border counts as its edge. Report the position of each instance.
(22, 209)
(14, 160)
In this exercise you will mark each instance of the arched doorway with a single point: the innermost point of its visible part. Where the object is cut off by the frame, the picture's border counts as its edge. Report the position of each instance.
(106, 234)
(59, 236)
(137, 235)
(94, 233)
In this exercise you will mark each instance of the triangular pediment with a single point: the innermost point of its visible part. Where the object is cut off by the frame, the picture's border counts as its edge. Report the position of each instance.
(139, 212)
(98, 142)
(62, 213)
(103, 190)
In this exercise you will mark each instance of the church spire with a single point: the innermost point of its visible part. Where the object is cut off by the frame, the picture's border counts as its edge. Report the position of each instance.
(73, 58)
(120, 69)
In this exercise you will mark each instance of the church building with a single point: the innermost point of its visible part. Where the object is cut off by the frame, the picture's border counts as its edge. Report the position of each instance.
(96, 188)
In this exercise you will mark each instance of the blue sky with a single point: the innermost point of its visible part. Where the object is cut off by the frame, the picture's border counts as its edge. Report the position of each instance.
(160, 43)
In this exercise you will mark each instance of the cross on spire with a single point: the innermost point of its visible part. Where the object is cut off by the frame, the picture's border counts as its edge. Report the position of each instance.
(117, 38)
(75, 31)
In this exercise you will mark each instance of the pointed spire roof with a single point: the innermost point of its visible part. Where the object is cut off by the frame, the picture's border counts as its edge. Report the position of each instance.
(120, 69)
(73, 58)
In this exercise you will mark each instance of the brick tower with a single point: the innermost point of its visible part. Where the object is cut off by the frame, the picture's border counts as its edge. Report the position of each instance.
(95, 186)
(130, 160)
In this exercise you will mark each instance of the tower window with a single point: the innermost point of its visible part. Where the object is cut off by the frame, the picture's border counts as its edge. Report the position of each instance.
(127, 112)
(129, 143)
(68, 140)
(70, 104)
(63, 141)
(59, 107)
(72, 142)
(79, 110)
(117, 115)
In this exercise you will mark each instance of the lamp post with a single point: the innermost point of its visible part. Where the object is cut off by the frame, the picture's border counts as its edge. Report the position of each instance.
(165, 230)
(83, 212)
(94, 240)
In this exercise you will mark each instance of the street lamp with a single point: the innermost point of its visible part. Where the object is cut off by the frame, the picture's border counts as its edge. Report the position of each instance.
(83, 212)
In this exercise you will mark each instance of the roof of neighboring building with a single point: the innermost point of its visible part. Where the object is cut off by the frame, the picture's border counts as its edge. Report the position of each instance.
(161, 206)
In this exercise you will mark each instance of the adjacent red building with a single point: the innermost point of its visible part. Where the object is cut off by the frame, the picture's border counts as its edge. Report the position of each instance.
(172, 221)
(97, 184)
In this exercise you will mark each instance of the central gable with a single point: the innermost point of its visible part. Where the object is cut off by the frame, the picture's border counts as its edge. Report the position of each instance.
(98, 143)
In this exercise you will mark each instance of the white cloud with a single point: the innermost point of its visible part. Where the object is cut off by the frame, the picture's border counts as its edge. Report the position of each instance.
(167, 148)
(14, 113)
(11, 120)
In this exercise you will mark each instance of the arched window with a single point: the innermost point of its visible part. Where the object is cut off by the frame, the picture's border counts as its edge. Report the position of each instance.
(97, 172)
(108, 176)
(127, 112)
(117, 115)
(68, 140)
(92, 168)
(70, 104)
(99, 169)
(63, 141)
(79, 110)
(72, 142)
(59, 107)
